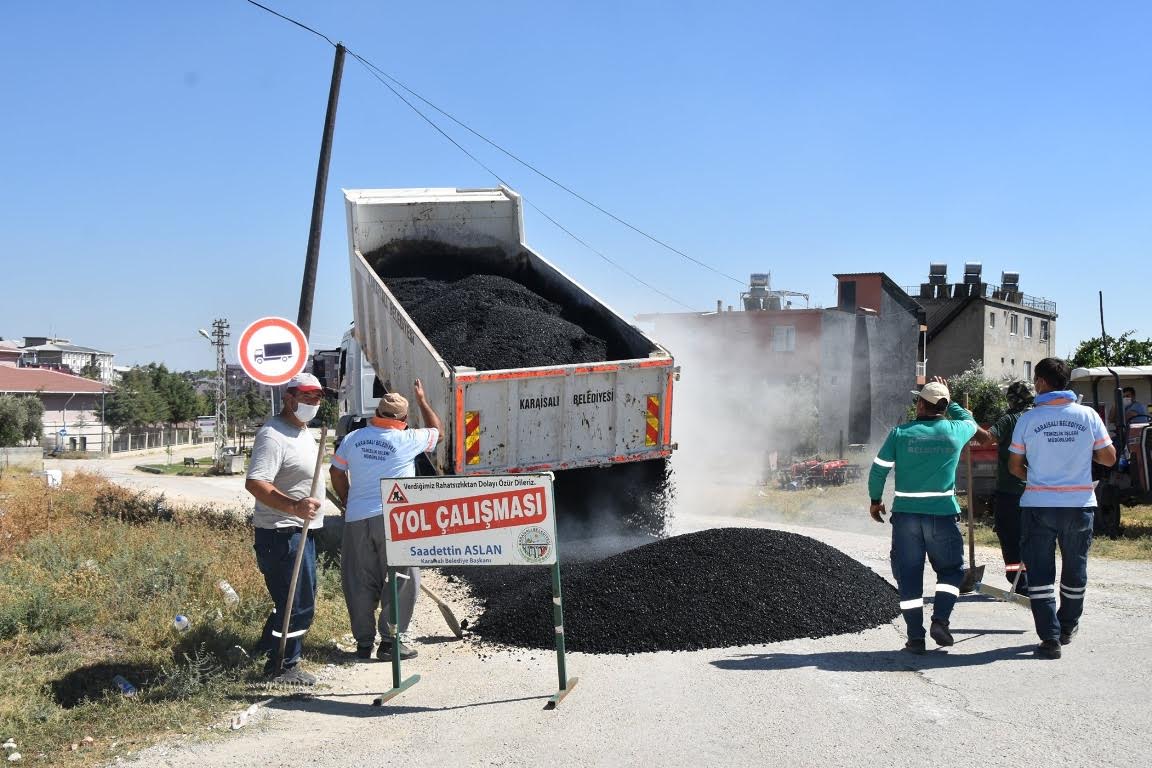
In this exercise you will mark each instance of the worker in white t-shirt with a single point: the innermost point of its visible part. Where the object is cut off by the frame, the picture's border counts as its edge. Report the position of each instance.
(386, 447)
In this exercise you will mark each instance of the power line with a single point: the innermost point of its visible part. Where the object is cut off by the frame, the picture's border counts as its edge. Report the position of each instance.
(497, 176)
(384, 78)
(548, 178)
(293, 21)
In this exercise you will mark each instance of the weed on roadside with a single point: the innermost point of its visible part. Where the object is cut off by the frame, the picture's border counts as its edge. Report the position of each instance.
(91, 577)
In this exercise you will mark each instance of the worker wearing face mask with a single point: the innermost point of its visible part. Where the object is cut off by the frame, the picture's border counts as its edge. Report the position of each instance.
(280, 478)
(1135, 411)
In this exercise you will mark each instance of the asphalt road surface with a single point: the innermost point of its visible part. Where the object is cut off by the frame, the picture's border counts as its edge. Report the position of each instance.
(849, 700)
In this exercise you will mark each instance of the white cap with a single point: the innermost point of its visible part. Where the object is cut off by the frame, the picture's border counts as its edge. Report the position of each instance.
(933, 392)
(305, 382)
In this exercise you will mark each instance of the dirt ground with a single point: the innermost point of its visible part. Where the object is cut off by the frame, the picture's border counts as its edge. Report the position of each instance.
(851, 700)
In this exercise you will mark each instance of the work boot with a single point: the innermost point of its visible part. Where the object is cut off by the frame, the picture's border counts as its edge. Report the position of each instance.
(1049, 649)
(940, 633)
(915, 646)
(364, 651)
(294, 676)
(1066, 635)
(384, 652)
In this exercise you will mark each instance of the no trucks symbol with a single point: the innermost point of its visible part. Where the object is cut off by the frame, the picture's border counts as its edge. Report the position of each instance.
(272, 350)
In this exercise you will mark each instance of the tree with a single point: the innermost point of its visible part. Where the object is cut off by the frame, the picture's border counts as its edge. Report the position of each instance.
(33, 418)
(180, 398)
(1112, 350)
(986, 400)
(134, 402)
(90, 371)
(329, 412)
(20, 419)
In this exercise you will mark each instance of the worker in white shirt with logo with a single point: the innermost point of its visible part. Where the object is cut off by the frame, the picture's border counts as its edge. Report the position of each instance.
(1059, 439)
(386, 447)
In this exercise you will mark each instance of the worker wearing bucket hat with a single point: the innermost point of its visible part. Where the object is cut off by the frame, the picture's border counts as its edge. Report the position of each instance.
(386, 447)
(924, 454)
(1009, 488)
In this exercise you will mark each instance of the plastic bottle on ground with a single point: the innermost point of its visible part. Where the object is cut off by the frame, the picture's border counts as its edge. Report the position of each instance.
(181, 623)
(230, 595)
(125, 687)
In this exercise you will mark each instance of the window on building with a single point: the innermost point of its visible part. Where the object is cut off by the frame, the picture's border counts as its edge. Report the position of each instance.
(848, 295)
(1014, 324)
(1027, 327)
(992, 319)
(1027, 370)
(1013, 365)
(784, 338)
(1043, 330)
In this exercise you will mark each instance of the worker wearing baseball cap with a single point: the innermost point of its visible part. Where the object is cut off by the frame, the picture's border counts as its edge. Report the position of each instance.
(1009, 488)
(280, 478)
(386, 447)
(924, 453)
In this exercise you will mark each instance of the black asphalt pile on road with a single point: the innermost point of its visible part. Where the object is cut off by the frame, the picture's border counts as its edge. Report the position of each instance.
(490, 322)
(713, 589)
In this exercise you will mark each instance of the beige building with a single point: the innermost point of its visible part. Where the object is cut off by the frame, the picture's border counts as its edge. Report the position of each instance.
(1000, 326)
(72, 406)
(56, 354)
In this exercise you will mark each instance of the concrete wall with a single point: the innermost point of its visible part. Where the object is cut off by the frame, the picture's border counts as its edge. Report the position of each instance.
(79, 416)
(972, 336)
(23, 458)
(834, 399)
(952, 350)
(1006, 353)
(895, 338)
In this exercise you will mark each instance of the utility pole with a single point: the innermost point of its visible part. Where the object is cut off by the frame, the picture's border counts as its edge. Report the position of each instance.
(312, 256)
(220, 434)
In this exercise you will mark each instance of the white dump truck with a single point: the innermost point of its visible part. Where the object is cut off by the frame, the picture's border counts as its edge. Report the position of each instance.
(611, 411)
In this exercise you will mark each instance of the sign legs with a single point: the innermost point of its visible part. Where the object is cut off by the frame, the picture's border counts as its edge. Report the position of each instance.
(398, 685)
(566, 683)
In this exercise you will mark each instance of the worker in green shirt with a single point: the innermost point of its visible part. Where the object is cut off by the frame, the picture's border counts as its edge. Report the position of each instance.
(1009, 488)
(924, 452)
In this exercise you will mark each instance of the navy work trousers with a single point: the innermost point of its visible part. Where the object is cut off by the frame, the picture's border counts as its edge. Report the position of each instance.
(276, 555)
(915, 536)
(1008, 530)
(1044, 528)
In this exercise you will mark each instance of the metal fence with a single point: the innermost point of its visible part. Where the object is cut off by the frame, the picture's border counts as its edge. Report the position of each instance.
(150, 439)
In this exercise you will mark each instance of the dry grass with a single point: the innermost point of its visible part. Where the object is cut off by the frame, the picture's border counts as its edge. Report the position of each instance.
(91, 576)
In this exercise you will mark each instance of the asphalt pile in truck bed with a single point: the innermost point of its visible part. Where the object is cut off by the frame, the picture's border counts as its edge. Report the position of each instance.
(712, 589)
(490, 322)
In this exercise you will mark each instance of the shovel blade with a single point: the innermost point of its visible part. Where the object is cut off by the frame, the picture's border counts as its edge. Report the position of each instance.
(1006, 595)
(971, 577)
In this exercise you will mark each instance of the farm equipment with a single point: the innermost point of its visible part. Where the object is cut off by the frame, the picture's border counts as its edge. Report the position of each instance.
(817, 473)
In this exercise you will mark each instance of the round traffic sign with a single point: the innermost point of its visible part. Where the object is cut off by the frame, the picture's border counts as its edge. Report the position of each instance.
(272, 350)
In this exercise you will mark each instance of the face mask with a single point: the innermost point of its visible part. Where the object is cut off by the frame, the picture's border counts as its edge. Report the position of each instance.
(305, 412)
(1127, 402)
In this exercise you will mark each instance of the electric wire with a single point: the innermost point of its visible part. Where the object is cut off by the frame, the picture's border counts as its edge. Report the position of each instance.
(383, 77)
(500, 179)
(551, 180)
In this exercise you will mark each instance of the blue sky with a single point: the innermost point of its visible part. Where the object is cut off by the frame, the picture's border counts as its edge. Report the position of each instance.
(159, 158)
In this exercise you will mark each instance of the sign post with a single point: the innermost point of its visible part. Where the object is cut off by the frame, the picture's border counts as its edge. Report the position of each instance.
(478, 520)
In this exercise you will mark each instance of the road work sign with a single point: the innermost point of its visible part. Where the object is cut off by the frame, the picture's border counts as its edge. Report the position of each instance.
(272, 350)
(474, 520)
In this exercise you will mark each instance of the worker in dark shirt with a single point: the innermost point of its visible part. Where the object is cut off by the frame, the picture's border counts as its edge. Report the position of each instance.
(1009, 488)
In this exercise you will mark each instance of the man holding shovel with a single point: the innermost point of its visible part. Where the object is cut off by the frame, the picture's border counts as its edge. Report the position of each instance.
(924, 453)
(386, 447)
(280, 477)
